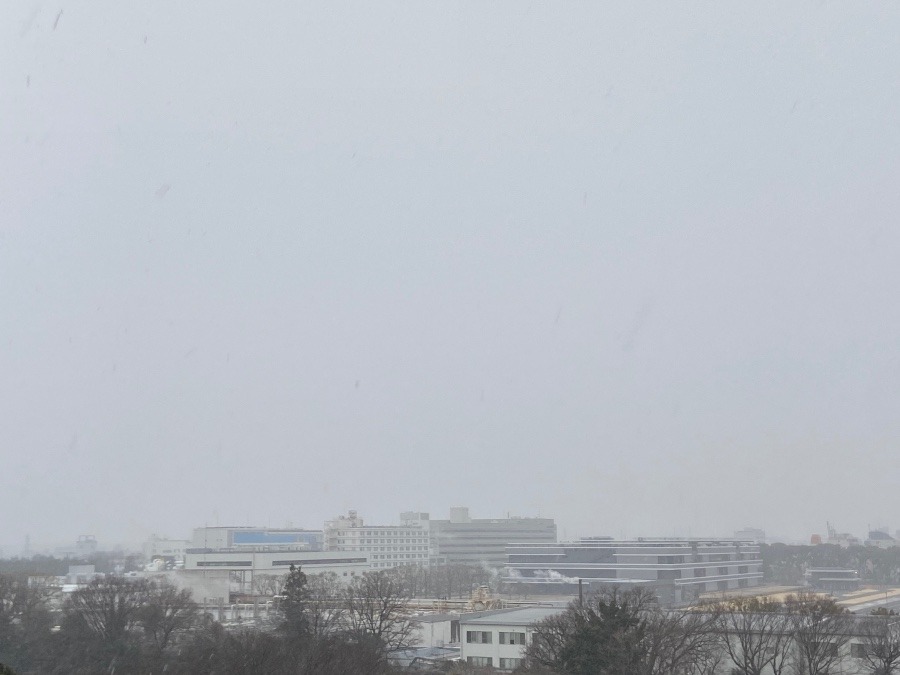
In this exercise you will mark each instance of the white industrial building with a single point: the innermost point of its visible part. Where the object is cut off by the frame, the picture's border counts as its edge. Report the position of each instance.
(419, 540)
(257, 538)
(243, 553)
(276, 562)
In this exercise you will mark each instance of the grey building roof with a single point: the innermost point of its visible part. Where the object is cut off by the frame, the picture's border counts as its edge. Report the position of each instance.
(523, 616)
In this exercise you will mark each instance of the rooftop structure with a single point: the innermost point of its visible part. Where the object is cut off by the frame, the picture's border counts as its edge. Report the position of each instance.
(85, 546)
(832, 579)
(751, 534)
(842, 539)
(881, 539)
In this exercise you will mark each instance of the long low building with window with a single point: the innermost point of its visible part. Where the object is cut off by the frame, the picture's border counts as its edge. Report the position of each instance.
(247, 564)
(677, 570)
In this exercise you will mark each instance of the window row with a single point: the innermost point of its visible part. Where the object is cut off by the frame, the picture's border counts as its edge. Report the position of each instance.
(479, 637)
(488, 662)
(351, 533)
(384, 548)
(512, 638)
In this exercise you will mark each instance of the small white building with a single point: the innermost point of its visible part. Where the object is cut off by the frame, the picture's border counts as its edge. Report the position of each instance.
(156, 548)
(498, 638)
(81, 574)
(436, 630)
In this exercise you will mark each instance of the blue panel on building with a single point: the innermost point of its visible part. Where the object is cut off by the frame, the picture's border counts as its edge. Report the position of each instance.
(263, 537)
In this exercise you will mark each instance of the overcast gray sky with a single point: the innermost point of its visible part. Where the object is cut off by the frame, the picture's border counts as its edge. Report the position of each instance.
(633, 266)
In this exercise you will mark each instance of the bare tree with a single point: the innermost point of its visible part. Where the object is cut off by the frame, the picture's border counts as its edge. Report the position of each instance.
(108, 608)
(754, 634)
(880, 644)
(820, 630)
(268, 584)
(325, 606)
(782, 645)
(684, 642)
(376, 607)
(416, 578)
(167, 611)
(100, 629)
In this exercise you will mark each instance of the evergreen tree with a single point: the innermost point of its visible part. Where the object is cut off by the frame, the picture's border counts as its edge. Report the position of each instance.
(295, 603)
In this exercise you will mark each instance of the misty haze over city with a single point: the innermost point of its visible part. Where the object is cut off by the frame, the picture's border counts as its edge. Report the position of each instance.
(628, 266)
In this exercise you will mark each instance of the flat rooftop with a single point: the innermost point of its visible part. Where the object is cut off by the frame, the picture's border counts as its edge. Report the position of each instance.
(524, 616)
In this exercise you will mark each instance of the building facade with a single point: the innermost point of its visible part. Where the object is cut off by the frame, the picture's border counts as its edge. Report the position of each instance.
(419, 540)
(246, 564)
(385, 545)
(229, 537)
(497, 639)
(477, 541)
(677, 570)
(881, 539)
(751, 534)
(156, 548)
(832, 580)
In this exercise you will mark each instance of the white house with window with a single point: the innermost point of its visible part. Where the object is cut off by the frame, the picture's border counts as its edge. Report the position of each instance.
(498, 639)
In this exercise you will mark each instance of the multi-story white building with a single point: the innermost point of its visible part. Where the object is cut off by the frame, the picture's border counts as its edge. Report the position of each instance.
(497, 639)
(418, 540)
(385, 545)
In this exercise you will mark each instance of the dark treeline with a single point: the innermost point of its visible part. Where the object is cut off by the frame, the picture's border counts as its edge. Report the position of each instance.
(138, 626)
(105, 562)
(436, 581)
(786, 564)
(447, 581)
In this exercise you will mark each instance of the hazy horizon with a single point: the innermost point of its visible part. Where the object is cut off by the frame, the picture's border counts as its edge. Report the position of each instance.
(564, 533)
(629, 266)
